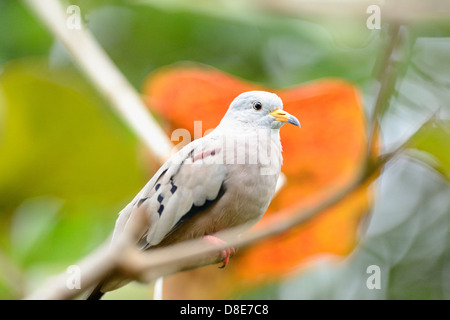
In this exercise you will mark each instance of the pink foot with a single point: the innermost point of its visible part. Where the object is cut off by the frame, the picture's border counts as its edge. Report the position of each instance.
(226, 253)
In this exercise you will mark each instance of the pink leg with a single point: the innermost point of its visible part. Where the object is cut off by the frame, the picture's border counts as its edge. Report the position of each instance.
(226, 253)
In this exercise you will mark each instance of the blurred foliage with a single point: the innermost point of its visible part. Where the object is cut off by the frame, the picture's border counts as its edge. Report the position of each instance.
(68, 164)
(276, 52)
(433, 140)
(408, 238)
(25, 36)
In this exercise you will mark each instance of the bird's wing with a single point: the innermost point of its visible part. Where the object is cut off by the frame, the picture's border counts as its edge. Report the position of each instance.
(191, 179)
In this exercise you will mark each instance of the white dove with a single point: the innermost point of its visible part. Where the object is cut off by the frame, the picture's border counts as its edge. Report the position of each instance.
(224, 179)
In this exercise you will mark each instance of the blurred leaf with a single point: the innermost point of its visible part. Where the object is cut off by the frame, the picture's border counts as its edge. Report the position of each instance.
(11, 278)
(57, 137)
(31, 222)
(263, 47)
(423, 90)
(333, 127)
(60, 142)
(25, 36)
(408, 239)
(433, 140)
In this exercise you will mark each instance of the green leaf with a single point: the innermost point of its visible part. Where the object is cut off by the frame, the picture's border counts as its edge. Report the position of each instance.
(68, 164)
(58, 137)
(31, 221)
(431, 145)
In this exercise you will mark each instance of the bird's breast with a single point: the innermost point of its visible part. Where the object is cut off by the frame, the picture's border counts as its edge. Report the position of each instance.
(250, 185)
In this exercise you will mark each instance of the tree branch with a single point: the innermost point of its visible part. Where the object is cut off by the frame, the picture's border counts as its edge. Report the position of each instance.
(126, 260)
(388, 71)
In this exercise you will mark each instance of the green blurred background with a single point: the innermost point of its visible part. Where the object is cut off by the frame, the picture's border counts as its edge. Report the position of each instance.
(68, 164)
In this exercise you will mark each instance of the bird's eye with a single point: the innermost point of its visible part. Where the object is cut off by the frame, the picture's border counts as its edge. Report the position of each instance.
(257, 105)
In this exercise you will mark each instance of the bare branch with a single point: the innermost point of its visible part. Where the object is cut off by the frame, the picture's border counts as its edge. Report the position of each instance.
(388, 72)
(126, 260)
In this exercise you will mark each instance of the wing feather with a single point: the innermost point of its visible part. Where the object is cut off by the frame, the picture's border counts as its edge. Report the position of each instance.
(190, 179)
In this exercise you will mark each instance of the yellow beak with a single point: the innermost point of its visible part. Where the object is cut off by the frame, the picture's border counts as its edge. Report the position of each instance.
(283, 116)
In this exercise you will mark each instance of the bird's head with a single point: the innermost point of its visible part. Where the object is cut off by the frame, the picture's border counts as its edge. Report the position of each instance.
(259, 109)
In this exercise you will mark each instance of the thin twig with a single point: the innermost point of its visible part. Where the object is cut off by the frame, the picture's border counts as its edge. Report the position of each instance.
(388, 71)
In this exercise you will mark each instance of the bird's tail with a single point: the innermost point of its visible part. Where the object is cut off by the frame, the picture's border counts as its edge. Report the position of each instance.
(157, 289)
(96, 293)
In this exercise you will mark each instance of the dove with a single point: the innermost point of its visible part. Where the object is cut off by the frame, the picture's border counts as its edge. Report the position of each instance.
(222, 180)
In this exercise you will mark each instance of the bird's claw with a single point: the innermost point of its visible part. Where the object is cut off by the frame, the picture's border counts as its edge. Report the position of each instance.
(226, 253)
